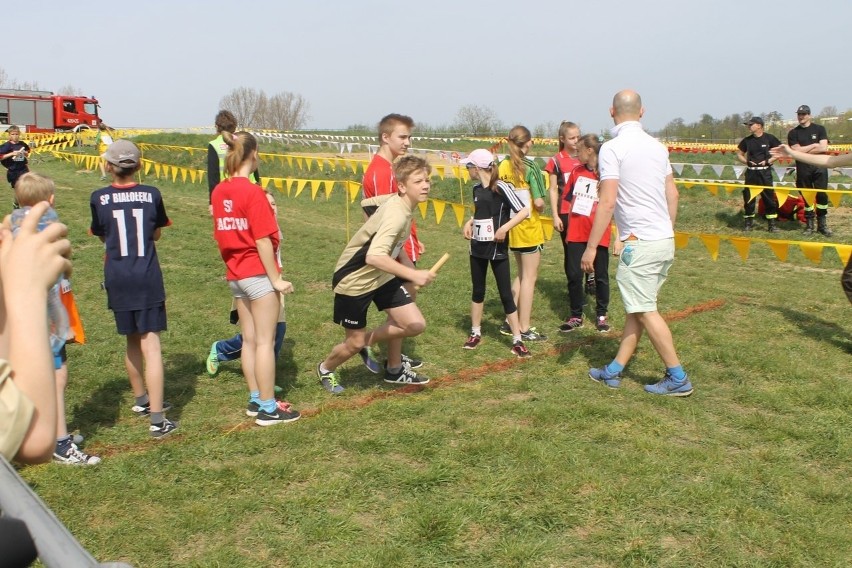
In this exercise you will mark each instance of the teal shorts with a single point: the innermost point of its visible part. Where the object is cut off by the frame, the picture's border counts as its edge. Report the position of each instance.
(642, 268)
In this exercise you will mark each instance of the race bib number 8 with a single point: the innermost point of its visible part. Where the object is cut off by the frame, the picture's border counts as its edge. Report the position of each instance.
(483, 229)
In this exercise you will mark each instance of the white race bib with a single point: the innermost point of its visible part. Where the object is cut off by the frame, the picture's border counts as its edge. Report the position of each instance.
(483, 229)
(524, 196)
(585, 195)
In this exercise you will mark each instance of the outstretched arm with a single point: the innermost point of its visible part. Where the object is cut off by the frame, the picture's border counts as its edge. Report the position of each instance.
(820, 160)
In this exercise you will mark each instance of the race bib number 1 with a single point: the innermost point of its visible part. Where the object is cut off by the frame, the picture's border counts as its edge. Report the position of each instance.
(585, 195)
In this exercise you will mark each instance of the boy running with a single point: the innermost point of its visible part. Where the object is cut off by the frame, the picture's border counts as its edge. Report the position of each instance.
(371, 269)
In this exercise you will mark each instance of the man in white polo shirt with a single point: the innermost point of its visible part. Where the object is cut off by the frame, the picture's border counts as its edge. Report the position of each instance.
(637, 186)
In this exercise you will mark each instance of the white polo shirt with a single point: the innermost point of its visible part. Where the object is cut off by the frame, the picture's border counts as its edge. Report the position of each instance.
(640, 164)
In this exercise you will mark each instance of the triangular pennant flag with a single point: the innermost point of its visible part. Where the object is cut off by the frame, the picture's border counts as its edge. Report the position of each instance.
(147, 166)
(547, 227)
(314, 188)
(157, 170)
(192, 175)
(353, 188)
(713, 189)
(698, 169)
(440, 169)
(458, 210)
(353, 165)
(456, 171)
(780, 171)
(753, 192)
(681, 239)
(688, 185)
(730, 187)
(738, 171)
(423, 207)
(290, 161)
(439, 207)
(678, 168)
(278, 183)
(812, 251)
(780, 248)
(264, 182)
(327, 186)
(834, 198)
(174, 173)
(300, 186)
(183, 174)
(809, 196)
(742, 245)
(782, 195)
(844, 252)
(718, 169)
(712, 244)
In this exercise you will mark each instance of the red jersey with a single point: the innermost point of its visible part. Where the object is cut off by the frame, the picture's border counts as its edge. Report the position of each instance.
(561, 165)
(241, 215)
(585, 182)
(379, 180)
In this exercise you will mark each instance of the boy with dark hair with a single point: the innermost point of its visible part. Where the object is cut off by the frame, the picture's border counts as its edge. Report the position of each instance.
(128, 218)
(372, 269)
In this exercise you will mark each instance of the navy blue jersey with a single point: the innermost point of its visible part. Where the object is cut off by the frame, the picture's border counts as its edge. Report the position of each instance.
(492, 210)
(127, 218)
(14, 164)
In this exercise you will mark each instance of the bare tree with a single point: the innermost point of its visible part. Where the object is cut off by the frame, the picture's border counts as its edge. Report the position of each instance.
(285, 111)
(4, 78)
(248, 106)
(828, 112)
(475, 119)
(70, 90)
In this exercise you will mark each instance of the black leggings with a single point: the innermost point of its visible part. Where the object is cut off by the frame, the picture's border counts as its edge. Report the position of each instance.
(576, 279)
(478, 271)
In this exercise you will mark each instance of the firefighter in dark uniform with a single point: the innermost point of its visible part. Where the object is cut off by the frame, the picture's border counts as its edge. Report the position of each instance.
(753, 151)
(812, 139)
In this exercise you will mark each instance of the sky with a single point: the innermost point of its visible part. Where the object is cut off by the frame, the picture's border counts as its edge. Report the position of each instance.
(167, 64)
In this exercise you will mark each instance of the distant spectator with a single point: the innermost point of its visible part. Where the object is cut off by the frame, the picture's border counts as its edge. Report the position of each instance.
(103, 139)
(13, 155)
(823, 161)
(753, 151)
(810, 138)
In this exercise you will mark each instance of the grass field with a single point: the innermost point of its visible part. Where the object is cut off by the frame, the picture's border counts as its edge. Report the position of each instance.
(499, 462)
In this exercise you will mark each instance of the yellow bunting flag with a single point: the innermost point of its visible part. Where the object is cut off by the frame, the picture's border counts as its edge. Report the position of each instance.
(157, 169)
(844, 252)
(681, 240)
(353, 188)
(300, 186)
(440, 169)
(780, 248)
(458, 210)
(713, 189)
(183, 174)
(711, 242)
(782, 195)
(810, 196)
(148, 165)
(192, 175)
(742, 245)
(174, 173)
(279, 184)
(327, 187)
(834, 198)
(290, 161)
(423, 208)
(812, 251)
(314, 189)
(547, 227)
(439, 206)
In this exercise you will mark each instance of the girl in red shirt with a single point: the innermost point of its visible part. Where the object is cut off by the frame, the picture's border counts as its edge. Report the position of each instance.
(583, 182)
(247, 233)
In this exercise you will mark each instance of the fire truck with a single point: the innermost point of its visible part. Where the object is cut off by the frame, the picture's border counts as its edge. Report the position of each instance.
(42, 111)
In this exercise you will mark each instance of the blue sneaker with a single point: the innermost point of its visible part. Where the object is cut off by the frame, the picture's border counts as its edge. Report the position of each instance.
(369, 359)
(602, 376)
(671, 387)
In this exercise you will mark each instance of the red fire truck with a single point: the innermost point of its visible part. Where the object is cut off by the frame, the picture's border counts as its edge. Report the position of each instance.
(42, 111)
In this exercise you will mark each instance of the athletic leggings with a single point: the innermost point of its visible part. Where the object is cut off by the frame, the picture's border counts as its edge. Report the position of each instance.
(576, 279)
(478, 271)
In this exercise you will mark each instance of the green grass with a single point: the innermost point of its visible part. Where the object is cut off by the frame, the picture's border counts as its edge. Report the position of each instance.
(499, 462)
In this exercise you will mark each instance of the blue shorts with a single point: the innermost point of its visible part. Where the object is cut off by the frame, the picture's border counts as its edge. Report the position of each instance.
(59, 358)
(141, 321)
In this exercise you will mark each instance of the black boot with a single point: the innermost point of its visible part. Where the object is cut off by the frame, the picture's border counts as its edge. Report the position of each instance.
(809, 223)
(749, 224)
(772, 228)
(822, 226)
